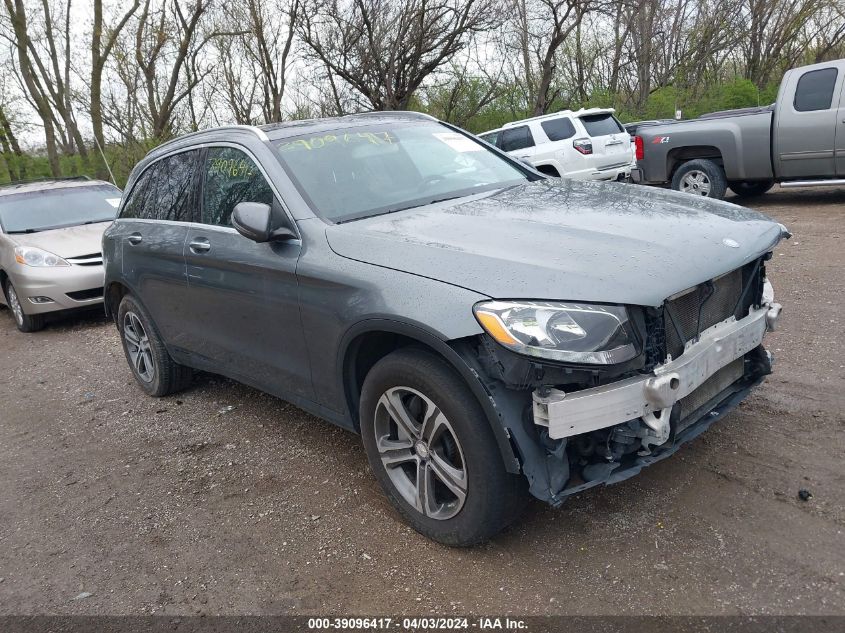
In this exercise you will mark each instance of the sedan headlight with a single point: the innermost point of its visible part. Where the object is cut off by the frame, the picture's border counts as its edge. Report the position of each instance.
(31, 256)
(568, 332)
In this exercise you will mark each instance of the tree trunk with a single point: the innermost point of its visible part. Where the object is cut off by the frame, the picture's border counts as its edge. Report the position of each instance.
(17, 164)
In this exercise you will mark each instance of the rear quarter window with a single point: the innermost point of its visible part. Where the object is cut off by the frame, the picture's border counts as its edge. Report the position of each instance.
(815, 90)
(165, 191)
(490, 138)
(558, 129)
(516, 138)
(601, 124)
(139, 202)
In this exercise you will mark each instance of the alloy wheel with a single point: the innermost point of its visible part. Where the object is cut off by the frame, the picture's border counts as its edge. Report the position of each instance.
(138, 347)
(420, 452)
(14, 304)
(696, 182)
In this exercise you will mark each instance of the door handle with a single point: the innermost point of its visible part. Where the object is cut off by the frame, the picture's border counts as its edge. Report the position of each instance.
(200, 245)
(134, 238)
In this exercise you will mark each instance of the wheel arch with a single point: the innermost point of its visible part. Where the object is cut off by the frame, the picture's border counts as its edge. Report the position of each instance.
(112, 296)
(369, 341)
(548, 169)
(680, 155)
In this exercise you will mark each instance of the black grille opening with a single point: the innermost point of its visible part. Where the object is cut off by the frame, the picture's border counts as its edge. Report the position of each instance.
(702, 307)
(84, 295)
(92, 259)
(711, 388)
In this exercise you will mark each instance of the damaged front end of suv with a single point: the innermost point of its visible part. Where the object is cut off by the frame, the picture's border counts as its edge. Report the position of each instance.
(590, 394)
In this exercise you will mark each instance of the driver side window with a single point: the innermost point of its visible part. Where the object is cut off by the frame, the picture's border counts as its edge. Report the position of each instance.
(231, 176)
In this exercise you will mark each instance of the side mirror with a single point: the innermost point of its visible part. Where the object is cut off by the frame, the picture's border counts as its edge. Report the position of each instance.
(254, 220)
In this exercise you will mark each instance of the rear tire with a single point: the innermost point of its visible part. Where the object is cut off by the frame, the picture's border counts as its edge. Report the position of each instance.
(751, 188)
(701, 177)
(441, 467)
(25, 322)
(154, 370)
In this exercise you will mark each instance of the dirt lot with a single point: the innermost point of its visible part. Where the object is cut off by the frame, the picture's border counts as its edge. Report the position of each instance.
(183, 506)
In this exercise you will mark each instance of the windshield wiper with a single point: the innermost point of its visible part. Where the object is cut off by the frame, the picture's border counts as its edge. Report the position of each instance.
(58, 226)
(398, 209)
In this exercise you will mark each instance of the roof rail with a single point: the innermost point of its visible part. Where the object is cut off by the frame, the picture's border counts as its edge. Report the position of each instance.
(261, 134)
(552, 115)
(397, 113)
(30, 181)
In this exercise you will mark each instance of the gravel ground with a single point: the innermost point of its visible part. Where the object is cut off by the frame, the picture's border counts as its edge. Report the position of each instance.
(223, 500)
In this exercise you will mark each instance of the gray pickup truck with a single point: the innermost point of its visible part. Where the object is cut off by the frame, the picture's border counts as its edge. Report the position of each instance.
(798, 142)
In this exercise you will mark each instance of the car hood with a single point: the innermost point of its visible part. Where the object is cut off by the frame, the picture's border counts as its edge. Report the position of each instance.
(566, 240)
(72, 241)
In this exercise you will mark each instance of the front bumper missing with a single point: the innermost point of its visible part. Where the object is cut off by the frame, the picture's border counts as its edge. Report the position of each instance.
(569, 414)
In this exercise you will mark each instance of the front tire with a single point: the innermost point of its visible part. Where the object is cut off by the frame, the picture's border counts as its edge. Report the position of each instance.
(701, 177)
(432, 451)
(154, 370)
(751, 188)
(25, 322)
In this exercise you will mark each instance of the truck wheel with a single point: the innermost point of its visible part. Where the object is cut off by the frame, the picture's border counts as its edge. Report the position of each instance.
(701, 177)
(25, 322)
(749, 188)
(432, 451)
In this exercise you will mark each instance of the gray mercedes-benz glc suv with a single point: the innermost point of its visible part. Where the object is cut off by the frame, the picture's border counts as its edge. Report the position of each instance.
(488, 332)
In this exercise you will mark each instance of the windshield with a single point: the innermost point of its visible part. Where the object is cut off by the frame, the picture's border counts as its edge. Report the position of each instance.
(357, 172)
(33, 211)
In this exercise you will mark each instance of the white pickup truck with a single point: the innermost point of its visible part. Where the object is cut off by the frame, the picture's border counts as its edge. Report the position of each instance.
(799, 141)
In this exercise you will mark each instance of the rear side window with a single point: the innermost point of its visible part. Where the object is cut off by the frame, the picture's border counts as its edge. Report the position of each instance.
(516, 138)
(601, 124)
(558, 129)
(139, 203)
(176, 184)
(231, 176)
(815, 90)
(165, 191)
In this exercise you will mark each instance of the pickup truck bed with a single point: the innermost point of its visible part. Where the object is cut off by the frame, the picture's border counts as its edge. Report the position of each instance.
(798, 141)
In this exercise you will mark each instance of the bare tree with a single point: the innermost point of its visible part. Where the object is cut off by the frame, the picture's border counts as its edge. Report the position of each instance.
(386, 49)
(258, 54)
(103, 40)
(165, 41)
(772, 41)
(12, 154)
(541, 27)
(468, 86)
(31, 80)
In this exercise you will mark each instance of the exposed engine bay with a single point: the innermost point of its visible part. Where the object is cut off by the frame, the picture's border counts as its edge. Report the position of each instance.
(578, 426)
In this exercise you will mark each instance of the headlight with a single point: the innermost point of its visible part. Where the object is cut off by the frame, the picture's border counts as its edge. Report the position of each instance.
(31, 256)
(568, 332)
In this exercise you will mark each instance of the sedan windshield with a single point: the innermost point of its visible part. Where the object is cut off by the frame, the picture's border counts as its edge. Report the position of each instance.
(34, 211)
(352, 173)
